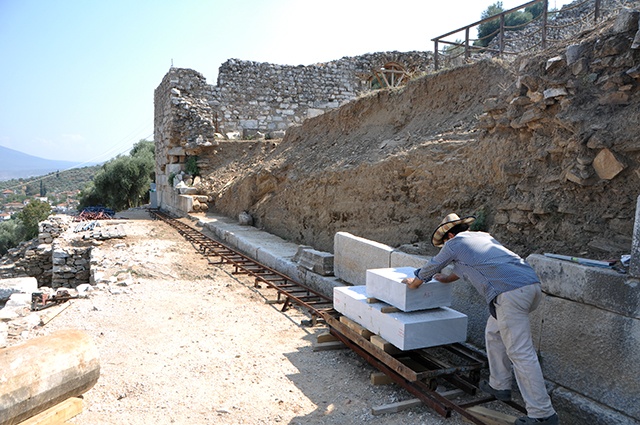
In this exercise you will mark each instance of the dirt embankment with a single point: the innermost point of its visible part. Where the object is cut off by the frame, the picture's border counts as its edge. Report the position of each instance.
(515, 144)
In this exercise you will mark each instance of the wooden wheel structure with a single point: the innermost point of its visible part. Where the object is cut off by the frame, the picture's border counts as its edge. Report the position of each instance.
(391, 74)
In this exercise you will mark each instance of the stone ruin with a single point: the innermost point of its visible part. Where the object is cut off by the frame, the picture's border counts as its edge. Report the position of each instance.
(254, 101)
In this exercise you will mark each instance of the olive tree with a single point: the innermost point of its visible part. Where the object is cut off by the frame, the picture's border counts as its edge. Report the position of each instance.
(123, 182)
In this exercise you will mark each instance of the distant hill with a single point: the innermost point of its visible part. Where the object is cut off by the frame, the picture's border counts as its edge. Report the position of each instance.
(15, 165)
(54, 182)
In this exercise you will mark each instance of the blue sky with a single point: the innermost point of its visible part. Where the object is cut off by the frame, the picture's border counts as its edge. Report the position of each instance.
(77, 76)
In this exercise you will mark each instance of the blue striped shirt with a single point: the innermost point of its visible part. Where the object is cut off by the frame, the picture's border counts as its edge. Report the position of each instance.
(483, 261)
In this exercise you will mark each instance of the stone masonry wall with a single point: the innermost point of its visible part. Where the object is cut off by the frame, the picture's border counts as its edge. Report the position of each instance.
(253, 100)
(252, 96)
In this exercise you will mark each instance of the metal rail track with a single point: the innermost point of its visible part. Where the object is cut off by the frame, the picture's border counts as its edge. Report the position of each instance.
(289, 291)
(417, 371)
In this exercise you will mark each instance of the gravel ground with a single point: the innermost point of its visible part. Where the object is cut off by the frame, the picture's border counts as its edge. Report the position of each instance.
(185, 342)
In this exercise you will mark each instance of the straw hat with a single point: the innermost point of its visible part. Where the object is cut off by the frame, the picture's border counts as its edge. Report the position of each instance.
(447, 224)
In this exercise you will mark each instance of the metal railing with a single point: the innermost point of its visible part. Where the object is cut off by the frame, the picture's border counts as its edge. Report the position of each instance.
(536, 33)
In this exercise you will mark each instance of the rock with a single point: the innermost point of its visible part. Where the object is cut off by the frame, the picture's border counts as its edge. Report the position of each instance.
(626, 21)
(554, 63)
(581, 66)
(4, 333)
(554, 92)
(486, 121)
(608, 165)
(520, 101)
(245, 219)
(492, 103)
(25, 285)
(634, 72)
(614, 98)
(636, 41)
(573, 53)
(535, 96)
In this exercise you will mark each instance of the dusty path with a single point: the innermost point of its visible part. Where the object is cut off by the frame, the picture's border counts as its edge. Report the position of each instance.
(188, 343)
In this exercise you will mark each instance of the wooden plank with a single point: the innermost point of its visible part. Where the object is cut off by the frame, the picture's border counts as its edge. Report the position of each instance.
(365, 333)
(382, 343)
(379, 378)
(330, 345)
(372, 300)
(396, 407)
(407, 404)
(325, 337)
(50, 313)
(376, 352)
(57, 414)
(452, 393)
(491, 417)
(389, 309)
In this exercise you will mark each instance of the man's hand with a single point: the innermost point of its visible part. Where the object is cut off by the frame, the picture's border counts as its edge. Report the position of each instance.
(443, 278)
(412, 282)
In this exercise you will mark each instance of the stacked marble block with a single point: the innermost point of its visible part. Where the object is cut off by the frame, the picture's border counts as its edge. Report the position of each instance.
(423, 320)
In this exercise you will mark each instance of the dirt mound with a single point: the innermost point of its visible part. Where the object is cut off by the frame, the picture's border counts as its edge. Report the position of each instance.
(516, 144)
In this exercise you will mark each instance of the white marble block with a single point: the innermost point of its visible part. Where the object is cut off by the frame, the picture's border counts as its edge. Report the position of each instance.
(352, 302)
(386, 285)
(405, 330)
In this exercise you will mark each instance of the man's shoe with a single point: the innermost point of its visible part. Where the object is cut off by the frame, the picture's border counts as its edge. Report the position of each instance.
(502, 395)
(525, 420)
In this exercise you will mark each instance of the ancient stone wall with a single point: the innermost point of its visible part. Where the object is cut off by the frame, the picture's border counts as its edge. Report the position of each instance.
(268, 98)
(256, 100)
(30, 258)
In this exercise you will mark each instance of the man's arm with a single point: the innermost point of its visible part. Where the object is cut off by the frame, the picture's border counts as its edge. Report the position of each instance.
(414, 282)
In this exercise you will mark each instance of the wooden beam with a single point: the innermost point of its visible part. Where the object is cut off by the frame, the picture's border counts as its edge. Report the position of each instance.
(365, 333)
(491, 417)
(407, 404)
(379, 378)
(325, 337)
(49, 314)
(389, 309)
(396, 407)
(57, 414)
(330, 345)
(385, 345)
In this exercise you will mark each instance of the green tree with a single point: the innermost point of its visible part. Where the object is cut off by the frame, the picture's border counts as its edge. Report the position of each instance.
(32, 189)
(535, 10)
(124, 181)
(12, 232)
(489, 30)
(32, 214)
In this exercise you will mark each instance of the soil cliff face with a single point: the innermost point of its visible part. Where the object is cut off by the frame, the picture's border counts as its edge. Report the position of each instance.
(544, 151)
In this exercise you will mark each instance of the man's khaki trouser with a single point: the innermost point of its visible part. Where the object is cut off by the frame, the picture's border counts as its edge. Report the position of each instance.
(509, 343)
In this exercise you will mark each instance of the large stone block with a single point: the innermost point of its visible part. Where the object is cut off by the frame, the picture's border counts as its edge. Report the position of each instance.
(355, 255)
(634, 265)
(386, 285)
(592, 352)
(596, 286)
(24, 285)
(405, 330)
(316, 261)
(578, 410)
(402, 259)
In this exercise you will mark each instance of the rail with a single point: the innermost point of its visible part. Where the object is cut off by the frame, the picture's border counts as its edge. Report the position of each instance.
(538, 33)
(289, 291)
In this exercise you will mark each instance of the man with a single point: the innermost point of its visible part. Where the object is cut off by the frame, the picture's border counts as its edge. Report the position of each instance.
(512, 290)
